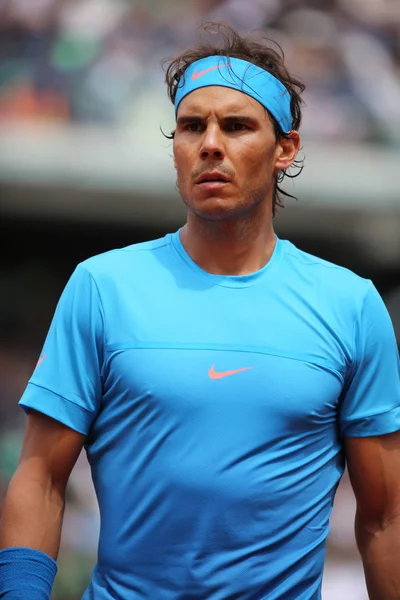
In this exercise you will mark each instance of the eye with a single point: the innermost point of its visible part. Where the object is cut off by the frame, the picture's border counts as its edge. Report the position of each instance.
(193, 127)
(238, 127)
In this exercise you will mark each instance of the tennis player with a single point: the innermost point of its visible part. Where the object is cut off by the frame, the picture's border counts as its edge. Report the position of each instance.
(218, 379)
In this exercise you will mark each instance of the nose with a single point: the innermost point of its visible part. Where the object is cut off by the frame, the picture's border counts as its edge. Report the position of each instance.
(212, 146)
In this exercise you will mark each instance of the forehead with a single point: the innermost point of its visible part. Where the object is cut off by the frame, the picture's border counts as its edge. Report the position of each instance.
(222, 101)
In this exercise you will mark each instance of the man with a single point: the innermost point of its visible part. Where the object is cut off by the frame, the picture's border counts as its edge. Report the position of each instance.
(217, 378)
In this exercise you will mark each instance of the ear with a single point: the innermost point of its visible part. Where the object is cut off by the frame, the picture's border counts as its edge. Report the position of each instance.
(287, 150)
(175, 164)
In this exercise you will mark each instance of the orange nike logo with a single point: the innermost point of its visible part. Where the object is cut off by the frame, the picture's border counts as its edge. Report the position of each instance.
(213, 374)
(197, 75)
(41, 359)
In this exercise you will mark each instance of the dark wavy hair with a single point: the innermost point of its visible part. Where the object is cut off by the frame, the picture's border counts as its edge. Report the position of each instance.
(231, 44)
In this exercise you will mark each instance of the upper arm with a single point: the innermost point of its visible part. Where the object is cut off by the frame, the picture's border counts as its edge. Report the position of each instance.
(370, 414)
(374, 470)
(67, 382)
(370, 403)
(49, 451)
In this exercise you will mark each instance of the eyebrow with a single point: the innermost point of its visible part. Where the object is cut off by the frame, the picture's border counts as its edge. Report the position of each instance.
(186, 119)
(242, 118)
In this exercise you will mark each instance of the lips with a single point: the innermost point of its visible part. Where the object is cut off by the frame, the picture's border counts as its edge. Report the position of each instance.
(212, 176)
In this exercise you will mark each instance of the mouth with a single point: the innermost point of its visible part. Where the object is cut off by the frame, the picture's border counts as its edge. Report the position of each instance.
(213, 177)
(212, 181)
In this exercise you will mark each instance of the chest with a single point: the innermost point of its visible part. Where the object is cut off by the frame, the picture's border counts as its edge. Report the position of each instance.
(223, 357)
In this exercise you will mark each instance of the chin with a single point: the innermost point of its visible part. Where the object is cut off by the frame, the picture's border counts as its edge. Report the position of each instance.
(216, 210)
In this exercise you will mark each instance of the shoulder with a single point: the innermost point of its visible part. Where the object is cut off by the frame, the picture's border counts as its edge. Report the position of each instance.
(141, 256)
(325, 277)
(333, 291)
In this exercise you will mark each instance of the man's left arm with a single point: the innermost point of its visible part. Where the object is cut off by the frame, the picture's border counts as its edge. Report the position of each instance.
(374, 469)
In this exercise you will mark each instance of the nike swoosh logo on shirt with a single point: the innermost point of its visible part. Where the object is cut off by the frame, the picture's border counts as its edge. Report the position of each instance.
(197, 75)
(41, 359)
(213, 374)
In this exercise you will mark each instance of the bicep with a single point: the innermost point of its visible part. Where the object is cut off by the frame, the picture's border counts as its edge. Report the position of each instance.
(50, 449)
(374, 470)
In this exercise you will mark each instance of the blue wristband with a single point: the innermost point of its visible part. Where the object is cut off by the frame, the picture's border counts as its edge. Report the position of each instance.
(26, 573)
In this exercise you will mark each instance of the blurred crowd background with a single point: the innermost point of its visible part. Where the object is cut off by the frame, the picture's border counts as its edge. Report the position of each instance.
(84, 168)
(84, 60)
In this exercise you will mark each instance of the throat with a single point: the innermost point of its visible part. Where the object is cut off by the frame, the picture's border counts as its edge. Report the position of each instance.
(220, 248)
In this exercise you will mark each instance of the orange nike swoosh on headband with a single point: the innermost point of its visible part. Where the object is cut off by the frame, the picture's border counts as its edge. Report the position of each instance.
(197, 75)
(213, 374)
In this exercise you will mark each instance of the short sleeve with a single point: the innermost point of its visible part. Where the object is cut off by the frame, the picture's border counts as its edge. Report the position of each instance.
(371, 400)
(66, 383)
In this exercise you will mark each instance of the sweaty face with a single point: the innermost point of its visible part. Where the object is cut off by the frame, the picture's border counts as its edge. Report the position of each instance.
(225, 152)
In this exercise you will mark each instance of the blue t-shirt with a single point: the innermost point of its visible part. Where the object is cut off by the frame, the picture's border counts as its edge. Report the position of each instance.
(215, 409)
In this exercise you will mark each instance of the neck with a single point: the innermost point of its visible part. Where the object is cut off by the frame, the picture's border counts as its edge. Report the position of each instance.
(229, 247)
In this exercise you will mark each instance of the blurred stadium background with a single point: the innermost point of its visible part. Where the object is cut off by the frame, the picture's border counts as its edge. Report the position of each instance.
(84, 168)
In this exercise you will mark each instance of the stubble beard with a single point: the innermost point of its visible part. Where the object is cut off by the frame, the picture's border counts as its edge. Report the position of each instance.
(247, 208)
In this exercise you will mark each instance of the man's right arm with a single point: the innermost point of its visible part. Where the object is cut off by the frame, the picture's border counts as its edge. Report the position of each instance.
(34, 505)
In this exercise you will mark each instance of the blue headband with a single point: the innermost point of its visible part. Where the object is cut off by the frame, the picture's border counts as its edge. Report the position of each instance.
(242, 76)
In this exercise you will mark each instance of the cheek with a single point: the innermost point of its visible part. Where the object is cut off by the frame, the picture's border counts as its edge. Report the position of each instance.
(182, 161)
(183, 172)
(255, 164)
